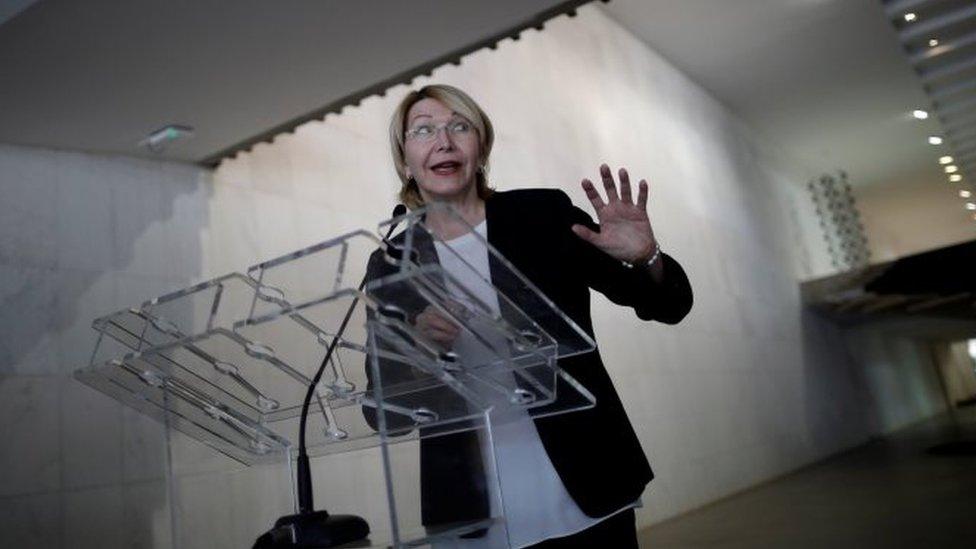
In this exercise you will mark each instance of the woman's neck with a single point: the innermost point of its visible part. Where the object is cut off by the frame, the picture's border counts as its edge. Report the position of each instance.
(445, 225)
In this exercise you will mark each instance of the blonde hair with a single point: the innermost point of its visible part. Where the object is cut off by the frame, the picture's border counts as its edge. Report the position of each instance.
(462, 104)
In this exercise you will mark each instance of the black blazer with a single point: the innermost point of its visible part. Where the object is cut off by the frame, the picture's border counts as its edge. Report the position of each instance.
(595, 451)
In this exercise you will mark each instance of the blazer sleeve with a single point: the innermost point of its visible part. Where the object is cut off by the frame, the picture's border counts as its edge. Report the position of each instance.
(667, 301)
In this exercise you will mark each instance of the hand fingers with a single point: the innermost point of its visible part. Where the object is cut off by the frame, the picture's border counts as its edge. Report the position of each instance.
(592, 195)
(586, 234)
(444, 338)
(437, 328)
(432, 320)
(625, 186)
(642, 195)
(608, 183)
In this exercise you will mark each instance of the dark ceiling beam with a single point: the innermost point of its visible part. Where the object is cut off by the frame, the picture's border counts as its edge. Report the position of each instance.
(966, 166)
(947, 108)
(956, 123)
(963, 143)
(936, 302)
(945, 71)
(854, 302)
(536, 21)
(880, 303)
(961, 134)
(966, 155)
(931, 26)
(940, 93)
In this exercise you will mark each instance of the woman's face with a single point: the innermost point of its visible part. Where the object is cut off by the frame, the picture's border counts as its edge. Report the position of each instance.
(441, 151)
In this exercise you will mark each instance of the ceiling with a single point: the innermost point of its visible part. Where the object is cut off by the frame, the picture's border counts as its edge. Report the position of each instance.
(100, 75)
(827, 80)
(940, 43)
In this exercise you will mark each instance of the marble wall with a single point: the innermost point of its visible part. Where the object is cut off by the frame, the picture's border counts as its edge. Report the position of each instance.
(83, 235)
(748, 387)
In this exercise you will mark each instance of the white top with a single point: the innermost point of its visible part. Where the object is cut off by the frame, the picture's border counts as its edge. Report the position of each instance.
(536, 504)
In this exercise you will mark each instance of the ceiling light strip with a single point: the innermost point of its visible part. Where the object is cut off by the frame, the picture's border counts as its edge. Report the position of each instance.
(932, 25)
(944, 47)
(896, 8)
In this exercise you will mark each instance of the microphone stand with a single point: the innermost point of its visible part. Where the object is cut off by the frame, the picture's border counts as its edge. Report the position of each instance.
(311, 529)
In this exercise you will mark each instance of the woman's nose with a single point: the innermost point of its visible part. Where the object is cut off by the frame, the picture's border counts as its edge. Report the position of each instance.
(442, 139)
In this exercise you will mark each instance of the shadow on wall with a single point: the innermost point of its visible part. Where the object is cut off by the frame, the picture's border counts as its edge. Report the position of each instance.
(83, 235)
(839, 403)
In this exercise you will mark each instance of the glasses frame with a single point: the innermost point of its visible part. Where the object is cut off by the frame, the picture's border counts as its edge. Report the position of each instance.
(412, 135)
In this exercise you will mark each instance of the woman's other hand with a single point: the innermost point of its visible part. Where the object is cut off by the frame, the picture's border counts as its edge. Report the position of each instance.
(436, 327)
(625, 230)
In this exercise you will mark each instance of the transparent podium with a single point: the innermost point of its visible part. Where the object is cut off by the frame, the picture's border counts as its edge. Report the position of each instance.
(445, 342)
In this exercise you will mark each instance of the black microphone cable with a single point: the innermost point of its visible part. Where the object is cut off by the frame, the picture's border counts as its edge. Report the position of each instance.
(310, 528)
(304, 473)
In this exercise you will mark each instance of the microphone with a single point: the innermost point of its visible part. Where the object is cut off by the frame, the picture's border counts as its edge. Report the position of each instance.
(310, 528)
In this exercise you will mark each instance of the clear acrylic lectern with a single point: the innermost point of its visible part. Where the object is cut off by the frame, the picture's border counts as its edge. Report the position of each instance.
(227, 363)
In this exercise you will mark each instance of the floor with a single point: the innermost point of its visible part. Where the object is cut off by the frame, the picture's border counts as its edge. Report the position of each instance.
(890, 492)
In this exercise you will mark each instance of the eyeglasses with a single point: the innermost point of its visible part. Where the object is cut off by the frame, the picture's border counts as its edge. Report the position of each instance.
(427, 132)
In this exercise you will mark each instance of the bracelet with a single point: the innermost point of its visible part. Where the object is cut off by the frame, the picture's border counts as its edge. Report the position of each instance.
(651, 261)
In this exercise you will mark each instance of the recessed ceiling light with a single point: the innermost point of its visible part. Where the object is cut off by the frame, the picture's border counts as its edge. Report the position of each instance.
(935, 140)
(951, 169)
(945, 160)
(920, 114)
(933, 43)
(955, 178)
(970, 206)
(965, 194)
(910, 16)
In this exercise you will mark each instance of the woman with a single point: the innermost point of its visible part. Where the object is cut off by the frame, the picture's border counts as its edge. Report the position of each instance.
(569, 480)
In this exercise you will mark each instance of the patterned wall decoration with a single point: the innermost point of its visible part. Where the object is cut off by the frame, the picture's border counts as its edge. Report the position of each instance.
(840, 221)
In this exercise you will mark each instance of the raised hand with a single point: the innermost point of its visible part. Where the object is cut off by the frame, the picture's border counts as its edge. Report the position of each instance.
(625, 230)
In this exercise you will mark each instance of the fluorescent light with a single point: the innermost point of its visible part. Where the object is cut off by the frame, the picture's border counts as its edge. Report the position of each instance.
(920, 114)
(951, 169)
(158, 140)
(955, 178)
(910, 16)
(935, 140)
(965, 194)
(970, 206)
(945, 160)
(933, 42)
